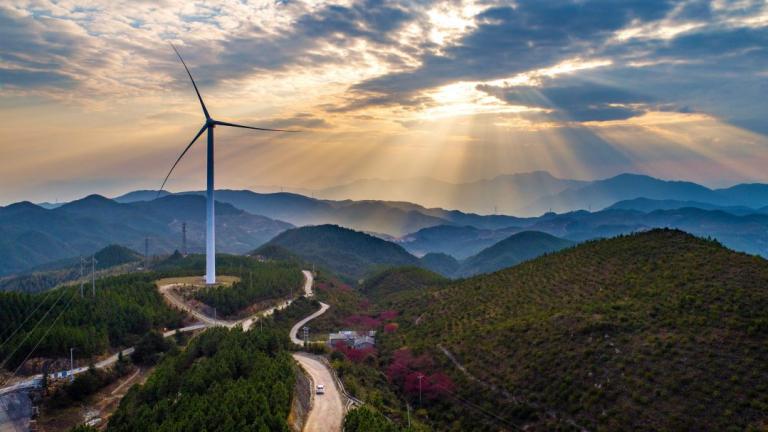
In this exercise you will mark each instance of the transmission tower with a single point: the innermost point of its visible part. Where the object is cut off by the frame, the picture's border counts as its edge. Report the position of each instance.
(93, 275)
(184, 238)
(146, 252)
(82, 275)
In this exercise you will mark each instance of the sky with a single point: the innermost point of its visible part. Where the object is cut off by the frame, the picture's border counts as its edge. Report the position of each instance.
(93, 99)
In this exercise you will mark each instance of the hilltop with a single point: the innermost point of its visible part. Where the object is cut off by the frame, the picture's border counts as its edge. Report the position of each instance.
(351, 254)
(512, 250)
(654, 331)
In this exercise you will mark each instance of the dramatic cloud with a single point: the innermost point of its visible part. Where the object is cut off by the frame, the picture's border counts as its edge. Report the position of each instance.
(460, 88)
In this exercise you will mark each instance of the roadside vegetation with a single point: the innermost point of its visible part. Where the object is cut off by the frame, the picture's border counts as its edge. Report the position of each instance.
(258, 282)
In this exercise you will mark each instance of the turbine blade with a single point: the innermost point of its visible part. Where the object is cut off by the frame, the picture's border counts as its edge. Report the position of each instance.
(202, 104)
(251, 127)
(181, 156)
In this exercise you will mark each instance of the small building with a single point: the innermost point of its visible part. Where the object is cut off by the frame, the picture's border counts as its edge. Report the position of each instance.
(353, 339)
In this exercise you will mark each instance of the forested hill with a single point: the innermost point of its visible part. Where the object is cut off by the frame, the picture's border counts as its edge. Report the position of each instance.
(124, 309)
(350, 254)
(226, 380)
(512, 250)
(654, 331)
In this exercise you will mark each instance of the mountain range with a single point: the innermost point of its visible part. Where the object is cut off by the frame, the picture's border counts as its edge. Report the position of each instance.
(534, 193)
(31, 235)
(355, 255)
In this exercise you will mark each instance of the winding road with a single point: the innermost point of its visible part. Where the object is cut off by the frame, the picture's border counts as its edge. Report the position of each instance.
(327, 410)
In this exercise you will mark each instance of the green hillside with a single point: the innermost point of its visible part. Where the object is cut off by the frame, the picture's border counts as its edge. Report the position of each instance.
(441, 263)
(258, 282)
(351, 254)
(114, 255)
(388, 283)
(225, 380)
(124, 309)
(653, 331)
(512, 250)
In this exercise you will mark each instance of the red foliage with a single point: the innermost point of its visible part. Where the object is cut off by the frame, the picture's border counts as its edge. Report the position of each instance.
(354, 355)
(432, 386)
(388, 315)
(364, 304)
(344, 287)
(390, 327)
(406, 369)
(362, 322)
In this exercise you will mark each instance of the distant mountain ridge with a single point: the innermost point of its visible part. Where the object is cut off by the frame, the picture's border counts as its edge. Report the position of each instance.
(511, 251)
(534, 193)
(33, 235)
(391, 218)
(355, 255)
(487, 196)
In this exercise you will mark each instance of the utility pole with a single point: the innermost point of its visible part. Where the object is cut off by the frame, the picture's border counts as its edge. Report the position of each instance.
(71, 364)
(408, 407)
(184, 238)
(93, 275)
(82, 275)
(420, 377)
(306, 336)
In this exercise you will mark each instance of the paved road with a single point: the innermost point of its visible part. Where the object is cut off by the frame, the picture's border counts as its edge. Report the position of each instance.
(246, 323)
(309, 280)
(327, 411)
(295, 329)
(35, 380)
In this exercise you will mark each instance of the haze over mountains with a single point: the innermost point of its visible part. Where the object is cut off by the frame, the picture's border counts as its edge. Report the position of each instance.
(534, 193)
(31, 235)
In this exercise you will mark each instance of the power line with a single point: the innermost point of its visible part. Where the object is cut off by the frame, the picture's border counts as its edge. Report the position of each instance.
(45, 298)
(26, 319)
(466, 402)
(43, 337)
(63, 291)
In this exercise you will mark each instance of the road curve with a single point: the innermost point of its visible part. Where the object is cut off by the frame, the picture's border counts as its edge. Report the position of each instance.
(327, 412)
(295, 329)
(245, 323)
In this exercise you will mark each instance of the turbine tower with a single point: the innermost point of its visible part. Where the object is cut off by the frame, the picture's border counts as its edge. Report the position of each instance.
(210, 228)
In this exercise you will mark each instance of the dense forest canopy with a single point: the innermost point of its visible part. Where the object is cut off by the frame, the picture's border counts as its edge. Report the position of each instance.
(123, 309)
(226, 380)
(258, 282)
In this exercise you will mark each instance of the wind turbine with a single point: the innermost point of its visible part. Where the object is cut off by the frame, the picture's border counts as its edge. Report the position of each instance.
(210, 228)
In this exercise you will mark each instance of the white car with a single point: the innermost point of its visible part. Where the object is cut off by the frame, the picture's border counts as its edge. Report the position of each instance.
(320, 389)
